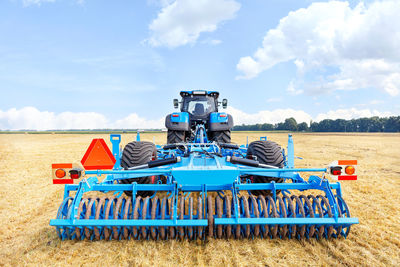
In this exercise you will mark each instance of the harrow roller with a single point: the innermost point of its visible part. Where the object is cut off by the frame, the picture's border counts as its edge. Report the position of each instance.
(121, 208)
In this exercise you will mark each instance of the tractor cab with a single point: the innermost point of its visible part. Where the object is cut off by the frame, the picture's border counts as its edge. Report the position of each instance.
(199, 107)
(199, 104)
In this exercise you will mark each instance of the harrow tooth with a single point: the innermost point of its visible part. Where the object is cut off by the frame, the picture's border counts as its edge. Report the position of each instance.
(210, 215)
(154, 211)
(171, 229)
(326, 207)
(271, 211)
(89, 211)
(245, 205)
(135, 229)
(164, 205)
(290, 212)
(181, 230)
(299, 213)
(255, 211)
(220, 211)
(145, 208)
(190, 230)
(99, 211)
(283, 229)
(200, 232)
(309, 214)
(228, 209)
(127, 215)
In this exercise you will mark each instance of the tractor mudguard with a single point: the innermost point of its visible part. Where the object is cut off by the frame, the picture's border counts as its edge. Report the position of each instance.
(177, 121)
(220, 121)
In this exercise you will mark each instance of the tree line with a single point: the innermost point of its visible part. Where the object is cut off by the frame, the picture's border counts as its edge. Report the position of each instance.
(373, 124)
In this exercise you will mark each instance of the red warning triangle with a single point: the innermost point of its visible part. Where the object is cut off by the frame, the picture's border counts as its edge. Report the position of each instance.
(98, 156)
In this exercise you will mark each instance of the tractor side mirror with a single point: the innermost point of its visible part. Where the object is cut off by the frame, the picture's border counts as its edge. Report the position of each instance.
(176, 103)
(224, 103)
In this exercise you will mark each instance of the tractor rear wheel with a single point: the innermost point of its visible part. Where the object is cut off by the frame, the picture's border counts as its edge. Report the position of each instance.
(138, 153)
(221, 136)
(267, 152)
(175, 137)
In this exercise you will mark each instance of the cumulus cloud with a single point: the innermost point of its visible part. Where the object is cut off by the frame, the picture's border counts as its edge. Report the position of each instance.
(181, 22)
(30, 118)
(351, 113)
(267, 116)
(344, 48)
(33, 119)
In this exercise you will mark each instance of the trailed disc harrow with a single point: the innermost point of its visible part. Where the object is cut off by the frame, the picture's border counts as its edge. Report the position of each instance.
(197, 208)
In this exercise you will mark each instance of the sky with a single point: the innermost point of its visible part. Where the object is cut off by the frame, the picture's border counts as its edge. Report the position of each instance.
(87, 64)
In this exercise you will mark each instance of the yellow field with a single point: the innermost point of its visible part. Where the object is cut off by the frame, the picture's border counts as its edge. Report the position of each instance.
(28, 201)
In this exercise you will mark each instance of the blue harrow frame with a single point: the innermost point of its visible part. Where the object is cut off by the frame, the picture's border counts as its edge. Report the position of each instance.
(202, 168)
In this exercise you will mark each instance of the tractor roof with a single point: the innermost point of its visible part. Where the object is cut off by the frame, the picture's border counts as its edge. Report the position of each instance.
(214, 94)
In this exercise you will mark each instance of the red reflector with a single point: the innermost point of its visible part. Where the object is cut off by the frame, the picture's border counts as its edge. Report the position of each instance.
(336, 172)
(222, 115)
(63, 181)
(347, 177)
(175, 115)
(98, 156)
(347, 162)
(74, 176)
(61, 166)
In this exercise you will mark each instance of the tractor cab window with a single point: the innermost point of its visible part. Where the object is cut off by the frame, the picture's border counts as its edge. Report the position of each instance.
(199, 105)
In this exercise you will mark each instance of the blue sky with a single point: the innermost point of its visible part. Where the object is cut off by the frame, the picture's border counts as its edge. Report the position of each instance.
(118, 64)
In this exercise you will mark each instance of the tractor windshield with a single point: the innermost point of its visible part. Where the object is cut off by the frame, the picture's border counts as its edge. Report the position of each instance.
(199, 105)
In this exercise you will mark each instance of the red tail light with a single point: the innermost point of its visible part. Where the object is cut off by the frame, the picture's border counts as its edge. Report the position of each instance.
(336, 170)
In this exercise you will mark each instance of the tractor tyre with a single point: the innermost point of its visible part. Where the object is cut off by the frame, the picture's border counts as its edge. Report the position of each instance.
(221, 136)
(269, 153)
(138, 153)
(175, 137)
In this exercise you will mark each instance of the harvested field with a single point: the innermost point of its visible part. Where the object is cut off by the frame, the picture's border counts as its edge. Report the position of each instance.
(28, 201)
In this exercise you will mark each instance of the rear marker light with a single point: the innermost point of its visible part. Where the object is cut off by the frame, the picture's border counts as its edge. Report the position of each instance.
(222, 115)
(175, 115)
(60, 173)
(75, 174)
(349, 170)
(336, 170)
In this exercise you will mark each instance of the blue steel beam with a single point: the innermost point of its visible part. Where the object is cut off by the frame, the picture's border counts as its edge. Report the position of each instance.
(112, 222)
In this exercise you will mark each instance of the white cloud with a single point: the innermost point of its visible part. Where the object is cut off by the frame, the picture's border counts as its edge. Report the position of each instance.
(274, 99)
(181, 22)
(33, 119)
(36, 2)
(344, 48)
(134, 121)
(30, 118)
(267, 116)
(351, 113)
(39, 2)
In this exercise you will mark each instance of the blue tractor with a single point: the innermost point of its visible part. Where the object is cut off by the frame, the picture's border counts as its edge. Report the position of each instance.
(199, 109)
(199, 185)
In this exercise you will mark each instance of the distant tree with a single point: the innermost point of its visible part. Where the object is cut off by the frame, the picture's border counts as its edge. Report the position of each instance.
(290, 124)
(303, 127)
